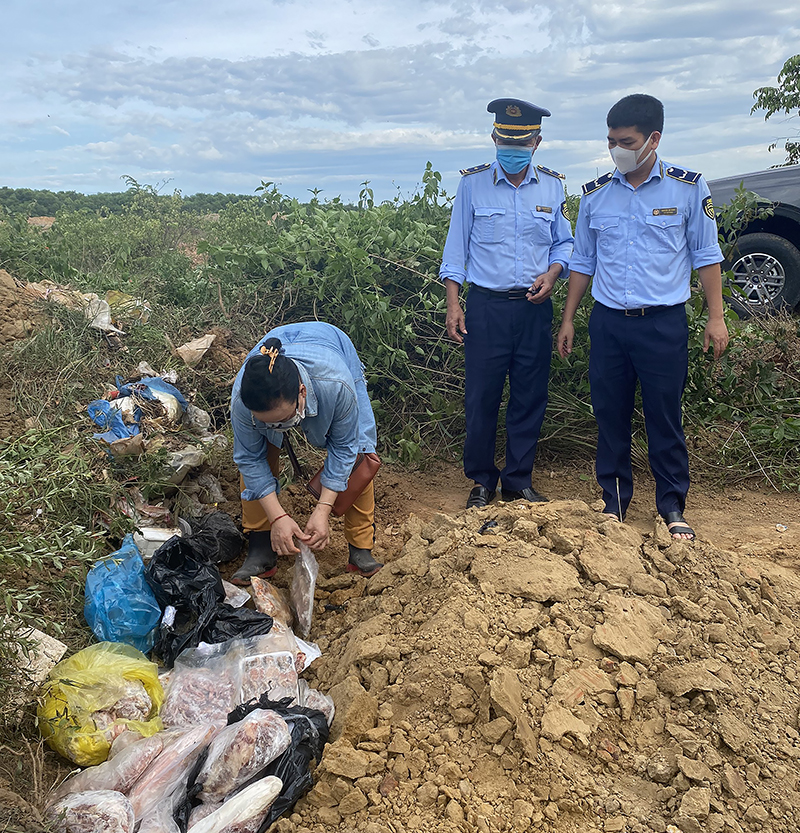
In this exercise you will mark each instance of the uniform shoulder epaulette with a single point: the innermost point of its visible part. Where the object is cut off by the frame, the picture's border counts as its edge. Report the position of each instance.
(556, 174)
(682, 175)
(596, 184)
(476, 169)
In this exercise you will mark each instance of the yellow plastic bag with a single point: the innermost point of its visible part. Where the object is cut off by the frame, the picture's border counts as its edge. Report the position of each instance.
(95, 695)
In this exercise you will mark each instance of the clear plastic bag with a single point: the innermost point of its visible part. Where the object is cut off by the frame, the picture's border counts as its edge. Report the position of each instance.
(313, 699)
(98, 811)
(169, 773)
(304, 580)
(118, 774)
(270, 600)
(93, 696)
(203, 686)
(244, 811)
(240, 751)
(159, 821)
(272, 674)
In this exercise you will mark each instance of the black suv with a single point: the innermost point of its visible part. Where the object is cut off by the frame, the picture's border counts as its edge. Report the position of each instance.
(766, 260)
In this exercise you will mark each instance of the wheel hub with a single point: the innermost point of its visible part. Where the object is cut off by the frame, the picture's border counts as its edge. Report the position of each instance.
(760, 277)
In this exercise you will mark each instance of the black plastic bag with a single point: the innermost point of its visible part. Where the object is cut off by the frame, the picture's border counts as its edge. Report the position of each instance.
(216, 537)
(309, 729)
(182, 579)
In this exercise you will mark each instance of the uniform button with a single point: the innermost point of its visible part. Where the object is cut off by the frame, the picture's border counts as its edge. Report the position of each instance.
(630, 242)
(633, 217)
(630, 267)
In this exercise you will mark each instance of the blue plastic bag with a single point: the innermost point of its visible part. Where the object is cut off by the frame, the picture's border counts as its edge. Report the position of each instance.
(120, 606)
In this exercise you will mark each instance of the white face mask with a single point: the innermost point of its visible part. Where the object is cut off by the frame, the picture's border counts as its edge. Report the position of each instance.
(287, 424)
(628, 160)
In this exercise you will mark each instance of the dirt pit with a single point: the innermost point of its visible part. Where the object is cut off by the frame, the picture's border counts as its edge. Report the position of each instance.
(534, 666)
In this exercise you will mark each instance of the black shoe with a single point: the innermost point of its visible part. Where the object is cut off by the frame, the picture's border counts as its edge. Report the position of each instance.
(261, 561)
(362, 562)
(529, 494)
(480, 496)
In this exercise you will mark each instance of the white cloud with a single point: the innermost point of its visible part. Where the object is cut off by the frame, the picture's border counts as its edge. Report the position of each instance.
(216, 97)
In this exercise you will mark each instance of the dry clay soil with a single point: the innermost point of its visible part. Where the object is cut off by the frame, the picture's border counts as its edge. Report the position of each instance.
(551, 670)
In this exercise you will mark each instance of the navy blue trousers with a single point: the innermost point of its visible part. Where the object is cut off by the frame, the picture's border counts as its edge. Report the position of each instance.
(652, 349)
(514, 339)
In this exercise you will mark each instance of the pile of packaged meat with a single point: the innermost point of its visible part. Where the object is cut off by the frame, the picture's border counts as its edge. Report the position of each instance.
(220, 743)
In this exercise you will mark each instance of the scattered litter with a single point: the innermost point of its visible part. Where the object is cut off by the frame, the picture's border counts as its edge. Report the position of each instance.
(152, 537)
(193, 351)
(100, 312)
(216, 538)
(486, 526)
(120, 606)
(781, 527)
(33, 663)
(95, 695)
(183, 461)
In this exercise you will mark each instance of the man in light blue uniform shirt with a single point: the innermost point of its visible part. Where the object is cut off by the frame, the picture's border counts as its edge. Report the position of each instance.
(509, 239)
(640, 232)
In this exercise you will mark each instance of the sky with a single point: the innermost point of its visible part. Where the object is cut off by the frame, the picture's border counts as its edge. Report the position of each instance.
(209, 96)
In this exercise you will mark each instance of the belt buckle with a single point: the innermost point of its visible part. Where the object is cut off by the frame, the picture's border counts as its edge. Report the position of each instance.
(634, 313)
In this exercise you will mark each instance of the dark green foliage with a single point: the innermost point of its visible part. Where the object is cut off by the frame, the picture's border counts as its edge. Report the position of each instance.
(371, 269)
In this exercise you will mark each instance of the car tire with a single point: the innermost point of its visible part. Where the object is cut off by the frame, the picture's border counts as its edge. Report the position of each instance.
(767, 268)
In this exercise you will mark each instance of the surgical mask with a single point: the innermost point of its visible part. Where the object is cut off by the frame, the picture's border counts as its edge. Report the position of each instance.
(628, 160)
(287, 424)
(514, 158)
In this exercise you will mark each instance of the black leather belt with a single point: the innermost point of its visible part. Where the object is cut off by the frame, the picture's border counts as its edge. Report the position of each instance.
(641, 311)
(508, 294)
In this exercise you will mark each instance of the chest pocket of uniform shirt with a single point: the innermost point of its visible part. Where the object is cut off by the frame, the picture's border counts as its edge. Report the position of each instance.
(542, 227)
(664, 232)
(608, 233)
(489, 224)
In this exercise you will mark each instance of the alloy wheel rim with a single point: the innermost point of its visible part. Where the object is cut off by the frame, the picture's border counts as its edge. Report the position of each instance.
(760, 277)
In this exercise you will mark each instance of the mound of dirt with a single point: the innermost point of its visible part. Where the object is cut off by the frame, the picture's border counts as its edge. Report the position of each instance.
(19, 316)
(559, 672)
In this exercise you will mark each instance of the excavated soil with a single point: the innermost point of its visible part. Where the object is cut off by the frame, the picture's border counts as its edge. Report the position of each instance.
(556, 671)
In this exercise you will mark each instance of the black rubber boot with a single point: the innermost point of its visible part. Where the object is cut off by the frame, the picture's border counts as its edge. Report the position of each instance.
(362, 562)
(261, 561)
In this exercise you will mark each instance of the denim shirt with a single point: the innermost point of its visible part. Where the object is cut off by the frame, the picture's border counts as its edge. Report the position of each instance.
(641, 244)
(503, 237)
(338, 414)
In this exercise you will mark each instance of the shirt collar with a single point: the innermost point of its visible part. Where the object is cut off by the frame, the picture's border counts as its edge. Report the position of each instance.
(656, 172)
(311, 397)
(499, 174)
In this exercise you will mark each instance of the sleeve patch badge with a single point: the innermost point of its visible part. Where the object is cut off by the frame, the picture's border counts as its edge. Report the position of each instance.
(545, 209)
(564, 210)
(708, 208)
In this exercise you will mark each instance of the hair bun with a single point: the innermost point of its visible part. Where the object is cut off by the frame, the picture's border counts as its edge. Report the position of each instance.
(271, 344)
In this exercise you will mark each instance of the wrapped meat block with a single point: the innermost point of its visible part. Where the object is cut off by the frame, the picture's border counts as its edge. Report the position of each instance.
(273, 674)
(268, 599)
(169, 772)
(198, 695)
(244, 812)
(240, 751)
(119, 774)
(98, 811)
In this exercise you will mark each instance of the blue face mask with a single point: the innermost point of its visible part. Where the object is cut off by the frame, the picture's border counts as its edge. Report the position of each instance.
(514, 158)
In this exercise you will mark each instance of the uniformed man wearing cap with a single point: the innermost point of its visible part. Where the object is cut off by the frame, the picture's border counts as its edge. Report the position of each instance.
(510, 240)
(641, 230)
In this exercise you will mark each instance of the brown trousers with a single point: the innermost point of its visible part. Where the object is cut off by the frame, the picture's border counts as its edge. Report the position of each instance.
(359, 519)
